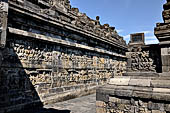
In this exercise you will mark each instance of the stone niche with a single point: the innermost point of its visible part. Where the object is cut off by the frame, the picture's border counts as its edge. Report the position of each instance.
(136, 41)
(53, 52)
(137, 38)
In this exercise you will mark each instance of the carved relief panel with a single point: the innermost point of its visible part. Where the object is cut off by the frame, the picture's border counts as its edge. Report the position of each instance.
(141, 61)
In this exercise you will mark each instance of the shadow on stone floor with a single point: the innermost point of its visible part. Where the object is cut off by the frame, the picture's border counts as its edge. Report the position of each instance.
(43, 110)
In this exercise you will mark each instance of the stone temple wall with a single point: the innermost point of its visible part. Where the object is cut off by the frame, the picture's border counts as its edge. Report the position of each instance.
(145, 87)
(134, 95)
(51, 52)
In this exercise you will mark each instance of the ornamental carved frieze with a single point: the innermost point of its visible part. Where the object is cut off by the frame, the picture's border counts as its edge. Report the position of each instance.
(3, 22)
(141, 61)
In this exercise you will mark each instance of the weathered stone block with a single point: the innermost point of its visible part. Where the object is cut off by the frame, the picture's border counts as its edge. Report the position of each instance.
(100, 104)
(161, 96)
(157, 111)
(164, 51)
(102, 97)
(165, 68)
(125, 101)
(155, 106)
(125, 93)
(160, 83)
(3, 22)
(167, 107)
(101, 110)
(129, 63)
(165, 60)
(128, 55)
(114, 100)
(120, 81)
(141, 75)
(140, 82)
(165, 75)
(56, 90)
(141, 94)
(105, 90)
(161, 90)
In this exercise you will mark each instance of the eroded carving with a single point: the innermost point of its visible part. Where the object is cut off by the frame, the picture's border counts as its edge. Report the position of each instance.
(68, 68)
(141, 61)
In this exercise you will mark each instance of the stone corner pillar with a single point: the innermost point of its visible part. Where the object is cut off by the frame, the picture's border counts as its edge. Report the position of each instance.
(3, 22)
(165, 60)
(163, 35)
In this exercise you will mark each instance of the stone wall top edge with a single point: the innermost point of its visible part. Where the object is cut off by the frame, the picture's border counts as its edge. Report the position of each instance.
(63, 24)
(161, 94)
(59, 41)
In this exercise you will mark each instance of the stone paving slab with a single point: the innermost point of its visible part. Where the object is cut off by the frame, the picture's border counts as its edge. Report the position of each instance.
(85, 104)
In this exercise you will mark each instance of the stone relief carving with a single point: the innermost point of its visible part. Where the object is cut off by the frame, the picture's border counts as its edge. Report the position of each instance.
(68, 68)
(30, 64)
(3, 22)
(142, 62)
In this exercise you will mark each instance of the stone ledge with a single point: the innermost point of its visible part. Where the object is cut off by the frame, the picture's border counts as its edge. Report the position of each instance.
(59, 41)
(137, 88)
(161, 90)
(154, 94)
(140, 82)
(141, 74)
(120, 81)
(128, 81)
(165, 75)
(160, 83)
(63, 24)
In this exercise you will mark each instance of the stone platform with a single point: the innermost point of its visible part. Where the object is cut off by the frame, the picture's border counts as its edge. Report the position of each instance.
(134, 95)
